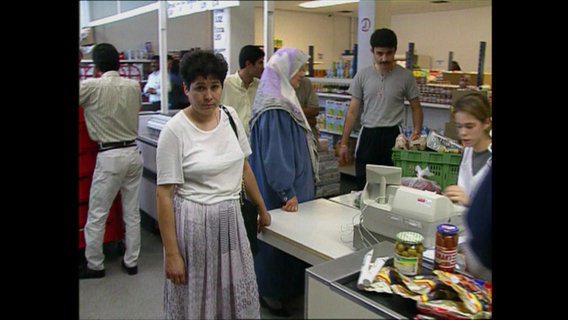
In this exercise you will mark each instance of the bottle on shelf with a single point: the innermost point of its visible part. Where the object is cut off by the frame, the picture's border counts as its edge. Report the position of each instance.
(330, 71)
(339, 69)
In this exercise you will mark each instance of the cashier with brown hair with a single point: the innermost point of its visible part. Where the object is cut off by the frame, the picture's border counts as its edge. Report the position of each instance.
(472, 114)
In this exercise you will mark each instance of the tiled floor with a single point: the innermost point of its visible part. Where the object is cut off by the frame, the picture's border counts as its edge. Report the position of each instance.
(120, 296)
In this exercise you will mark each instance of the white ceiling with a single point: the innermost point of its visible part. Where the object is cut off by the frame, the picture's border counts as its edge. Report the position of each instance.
(396, 6)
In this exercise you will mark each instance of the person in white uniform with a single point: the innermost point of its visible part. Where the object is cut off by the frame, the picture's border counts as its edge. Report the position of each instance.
(153, 88)
(110, 105)
(472, 115)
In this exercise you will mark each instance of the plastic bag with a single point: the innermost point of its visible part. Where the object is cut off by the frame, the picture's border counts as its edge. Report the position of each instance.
(421, 183)
(401, 142)
(418, 144)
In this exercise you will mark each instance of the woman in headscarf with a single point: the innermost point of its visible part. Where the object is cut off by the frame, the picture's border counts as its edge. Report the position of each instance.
(285, 162)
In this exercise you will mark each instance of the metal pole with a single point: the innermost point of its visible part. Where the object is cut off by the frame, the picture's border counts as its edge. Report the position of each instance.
(481, 64)
(410, 56)
(163, 49)
(268, 30)
(311, 61)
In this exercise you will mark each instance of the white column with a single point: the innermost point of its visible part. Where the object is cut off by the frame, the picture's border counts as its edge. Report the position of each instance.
(84, 14)
(268, 30)
(365, 27)
(163, 52)
(241, 31)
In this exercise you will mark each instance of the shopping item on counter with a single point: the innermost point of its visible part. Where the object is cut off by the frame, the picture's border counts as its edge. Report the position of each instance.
(401, 142)
(382, 281)
(418, 144)
(441, 295)
(449, 309)
(475, 296)
(422, 284)
(420, 182)
(440, 143)
(369, 269)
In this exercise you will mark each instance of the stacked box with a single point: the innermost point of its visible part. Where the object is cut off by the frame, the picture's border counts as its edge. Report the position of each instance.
(329, 175)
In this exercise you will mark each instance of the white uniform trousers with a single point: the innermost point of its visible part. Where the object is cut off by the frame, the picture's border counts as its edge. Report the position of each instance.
(116, 170)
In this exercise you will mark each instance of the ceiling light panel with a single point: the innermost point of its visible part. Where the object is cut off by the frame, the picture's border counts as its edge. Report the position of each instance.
(324, 3)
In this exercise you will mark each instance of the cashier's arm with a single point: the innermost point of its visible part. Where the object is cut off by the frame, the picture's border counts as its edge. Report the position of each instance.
(456, 194)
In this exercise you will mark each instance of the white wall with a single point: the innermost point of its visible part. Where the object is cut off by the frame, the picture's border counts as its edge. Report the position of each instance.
(330, 36)
(437, 33)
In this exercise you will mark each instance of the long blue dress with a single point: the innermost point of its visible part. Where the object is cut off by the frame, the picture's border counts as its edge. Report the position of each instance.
(280, 161)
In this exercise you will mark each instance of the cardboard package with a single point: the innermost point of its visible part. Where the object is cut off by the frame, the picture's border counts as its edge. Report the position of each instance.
(470, 77)
(86, 37)
(440, 143)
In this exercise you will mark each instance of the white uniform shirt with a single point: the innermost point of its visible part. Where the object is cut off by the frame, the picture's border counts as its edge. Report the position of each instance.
(206, 166)
(153, 82)
(466, 179)
(111, 104)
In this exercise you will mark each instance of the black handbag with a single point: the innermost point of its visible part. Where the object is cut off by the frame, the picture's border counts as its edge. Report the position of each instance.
(248, 208)
(250, 216)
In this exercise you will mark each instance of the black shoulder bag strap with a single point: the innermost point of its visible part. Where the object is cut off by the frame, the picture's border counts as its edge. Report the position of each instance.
(234, 126)
(230, 120)
(248, 208)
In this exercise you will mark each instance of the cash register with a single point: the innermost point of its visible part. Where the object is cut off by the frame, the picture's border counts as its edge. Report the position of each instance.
(388, 208)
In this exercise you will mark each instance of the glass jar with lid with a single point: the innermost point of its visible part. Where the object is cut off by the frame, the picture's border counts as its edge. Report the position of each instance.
(408, 249)
(446, 254)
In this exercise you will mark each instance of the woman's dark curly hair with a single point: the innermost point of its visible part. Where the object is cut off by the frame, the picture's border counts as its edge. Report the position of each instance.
(202, 63)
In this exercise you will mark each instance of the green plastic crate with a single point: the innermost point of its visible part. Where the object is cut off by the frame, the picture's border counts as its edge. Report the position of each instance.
(444, 166)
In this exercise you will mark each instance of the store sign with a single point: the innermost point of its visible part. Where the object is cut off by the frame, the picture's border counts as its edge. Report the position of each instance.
(221, 33)
(182, 8)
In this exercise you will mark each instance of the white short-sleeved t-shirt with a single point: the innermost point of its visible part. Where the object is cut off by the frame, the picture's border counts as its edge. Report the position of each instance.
(206, 166)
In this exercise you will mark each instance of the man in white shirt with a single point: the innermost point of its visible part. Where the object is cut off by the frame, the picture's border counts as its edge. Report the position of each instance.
(110, 105)
(152, 88)
(239, 88)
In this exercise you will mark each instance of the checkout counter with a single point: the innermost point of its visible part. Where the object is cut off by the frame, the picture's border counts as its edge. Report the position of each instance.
(323, 233)
(148, 131)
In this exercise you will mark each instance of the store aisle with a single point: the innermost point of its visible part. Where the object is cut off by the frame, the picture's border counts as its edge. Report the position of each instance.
(120, 296)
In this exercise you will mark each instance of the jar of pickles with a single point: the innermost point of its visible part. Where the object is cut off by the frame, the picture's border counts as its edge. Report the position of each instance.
(446, 247)
(408, 249)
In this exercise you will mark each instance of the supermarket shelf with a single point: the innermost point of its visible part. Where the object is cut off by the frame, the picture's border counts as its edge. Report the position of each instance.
(333, 95)
(352, 135)
(330, 80)
(431, 105)
(435, 105)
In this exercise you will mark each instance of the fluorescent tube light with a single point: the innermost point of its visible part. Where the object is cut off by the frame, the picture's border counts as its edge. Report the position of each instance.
(324, 3)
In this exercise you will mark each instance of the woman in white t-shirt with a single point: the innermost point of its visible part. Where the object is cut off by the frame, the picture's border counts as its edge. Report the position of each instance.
(200, 162)
(472, 115)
